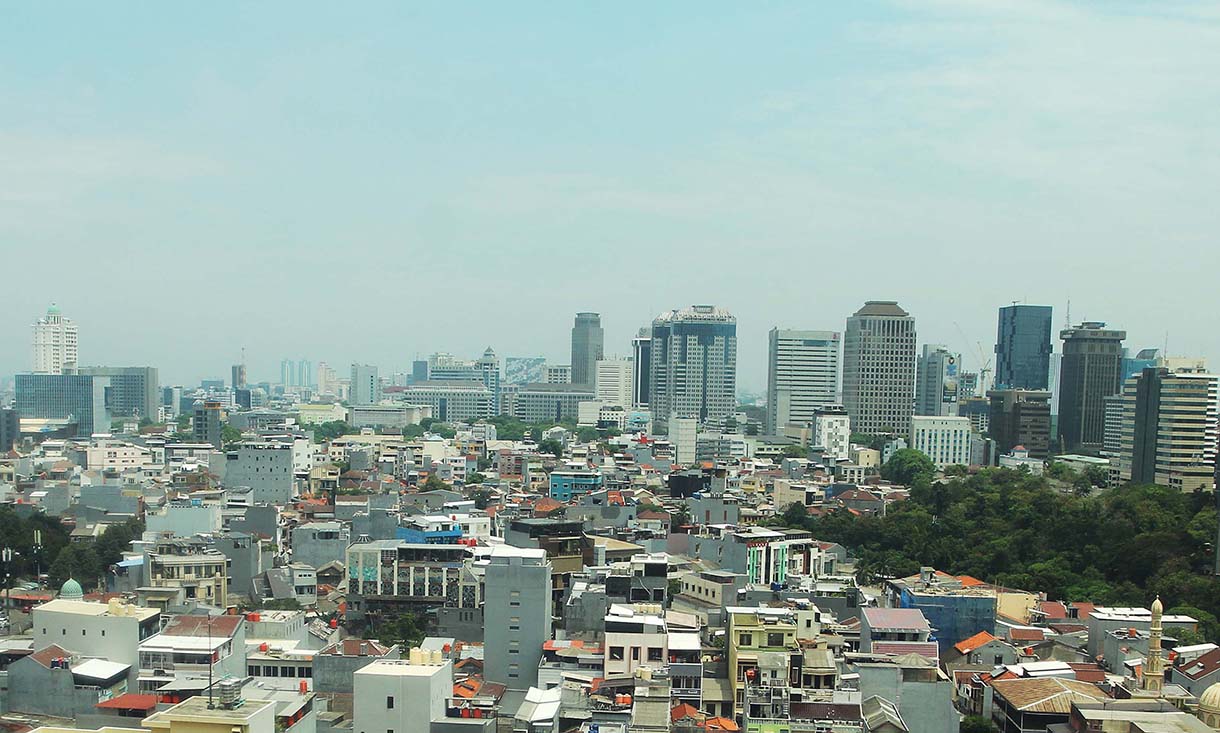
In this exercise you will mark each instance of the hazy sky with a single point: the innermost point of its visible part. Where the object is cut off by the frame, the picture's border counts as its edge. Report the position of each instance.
(375, 181)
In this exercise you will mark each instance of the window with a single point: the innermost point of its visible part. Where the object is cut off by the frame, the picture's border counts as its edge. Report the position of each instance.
(654, 654)
(775, 639)
(616, 653)
(635, 654)
(389, 702)
(743, 640)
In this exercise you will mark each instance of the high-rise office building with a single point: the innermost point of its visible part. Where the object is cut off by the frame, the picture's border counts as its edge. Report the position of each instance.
(588, 344)
(238, 376)
(134, 391)
(10, 428)
(76, 398)
(328, 379)
(304, 373)
(54, 343)
(936, 381)
(1090, 371)
(444, 367)
(488, 366)
(641, 351)
(288, 373)
(1020, 417)
(802, 375)
(557, 374)
(1023, 347)
(613, 382)
(1169, 429)
(879, 368)
(366, 385)
(517, 595)
(693, 365)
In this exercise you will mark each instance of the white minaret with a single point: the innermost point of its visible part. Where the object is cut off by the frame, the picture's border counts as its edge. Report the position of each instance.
(1154, 669)
(54, 343)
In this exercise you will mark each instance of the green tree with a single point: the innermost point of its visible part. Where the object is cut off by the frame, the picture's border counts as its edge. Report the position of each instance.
(432, 483)
(795, 451)
(406, 630)
(551, 446)
(587, 434)
(908, 465)
(794, 515)
(482, 499)
(229, 434)
(475, 478)
(328, 431)
(977, 724)
(411, 432)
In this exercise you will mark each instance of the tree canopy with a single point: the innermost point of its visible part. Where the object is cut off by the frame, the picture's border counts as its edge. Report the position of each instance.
(908, 465)
(1120, 546)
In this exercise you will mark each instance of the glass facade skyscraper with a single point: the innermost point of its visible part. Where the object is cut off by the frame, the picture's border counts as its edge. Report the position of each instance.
(1023, 347)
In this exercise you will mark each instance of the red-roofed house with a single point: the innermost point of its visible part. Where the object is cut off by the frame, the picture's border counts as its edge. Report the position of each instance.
(984, 650)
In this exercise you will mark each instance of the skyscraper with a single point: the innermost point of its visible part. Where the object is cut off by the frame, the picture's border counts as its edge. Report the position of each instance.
(802, 375)
(304, 373)
(238, 376)
(1020, 417)
(1089, 372)
(517, 596)
(134, 391)
(588, 342)
(1169, 429)
(693, 365)
(879, 368)
(936, 381)
(54, 343)
(366, 385)
(288, 373)
(613, 384)
(641, 349)
(77, 398)
(1023, 347)
(328, 380)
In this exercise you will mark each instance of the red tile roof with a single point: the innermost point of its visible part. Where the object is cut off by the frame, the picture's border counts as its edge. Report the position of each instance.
(1202, 666)
(186, 625)
(46, 654)
(684, 710)
(966, 646)
(130, 701)
(1026, 634)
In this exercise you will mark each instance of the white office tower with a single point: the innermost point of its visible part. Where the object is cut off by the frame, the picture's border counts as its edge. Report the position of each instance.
(613, 382)
(832, 432)
(802, 375)
(946, 440)
(517, 604)
(879, 368)
(54, 343)
(366, 385)
(694, 364)
(936, 381)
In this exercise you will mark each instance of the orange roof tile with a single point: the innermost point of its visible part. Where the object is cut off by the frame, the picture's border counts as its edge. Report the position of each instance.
(966, 646)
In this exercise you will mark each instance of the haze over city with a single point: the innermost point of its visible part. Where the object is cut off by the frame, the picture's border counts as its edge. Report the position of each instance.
(380, 182)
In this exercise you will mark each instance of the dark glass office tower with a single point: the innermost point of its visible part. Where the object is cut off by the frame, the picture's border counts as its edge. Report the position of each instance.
(1023, 347)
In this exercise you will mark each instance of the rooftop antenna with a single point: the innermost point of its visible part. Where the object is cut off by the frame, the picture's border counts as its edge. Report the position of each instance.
(1067, 315)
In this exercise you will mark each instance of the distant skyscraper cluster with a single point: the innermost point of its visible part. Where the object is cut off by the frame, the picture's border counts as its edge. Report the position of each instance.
(1153, 415)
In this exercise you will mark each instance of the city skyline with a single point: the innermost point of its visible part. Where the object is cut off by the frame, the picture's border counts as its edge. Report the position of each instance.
(363, 166)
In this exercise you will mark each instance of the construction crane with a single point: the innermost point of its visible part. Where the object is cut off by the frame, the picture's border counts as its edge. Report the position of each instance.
(984, 360)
